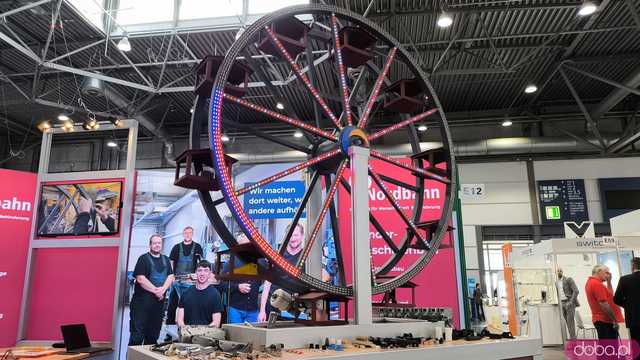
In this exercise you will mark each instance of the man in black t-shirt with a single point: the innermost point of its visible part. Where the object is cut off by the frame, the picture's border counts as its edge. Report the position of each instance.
(201, 304)
(184, 257)
(153, 276)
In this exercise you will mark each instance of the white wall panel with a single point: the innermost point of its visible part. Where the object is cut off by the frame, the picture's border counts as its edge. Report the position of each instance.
(469, 233)
(493, 172)
(501, 192)
(587, 168)
(471, 257)
(497, 214)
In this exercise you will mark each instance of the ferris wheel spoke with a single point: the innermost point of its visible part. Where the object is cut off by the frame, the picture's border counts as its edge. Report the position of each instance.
(305, 80)
(418, 171)
(396, 206)
(298, 214)
(398, 183)
(374, 221)
(287, 172)
(333, 216)
(341, 70)
(402, 124)
(323, 212)
(376, 89)
(295, 122)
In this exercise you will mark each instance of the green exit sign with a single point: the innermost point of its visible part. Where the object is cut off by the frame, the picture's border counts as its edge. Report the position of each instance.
(552, 212)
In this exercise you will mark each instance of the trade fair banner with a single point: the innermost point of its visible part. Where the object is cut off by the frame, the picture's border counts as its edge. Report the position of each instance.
(437, 282)
(16, 209)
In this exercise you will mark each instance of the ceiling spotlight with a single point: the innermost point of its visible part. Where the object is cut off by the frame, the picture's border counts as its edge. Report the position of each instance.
(63, 117)
(507, 123)
(90, 124)
(530, 89)
(587, 8)
(445, 20)
(44, 126)
(279, 105)
(112, 144)
(116, 122)
(224, 138)
(422, 127)
(298, 134)
(191, 110)
(124, 44)
(67, 126)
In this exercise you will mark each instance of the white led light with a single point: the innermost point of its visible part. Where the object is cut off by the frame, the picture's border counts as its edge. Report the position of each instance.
(280, 106)
(63, 117)
(587, 8)
(445, 20)
(224, 138)
(507, 123)
(298, 134)
(124, 44)
(422, 127)
(530, 89)
(112, 144)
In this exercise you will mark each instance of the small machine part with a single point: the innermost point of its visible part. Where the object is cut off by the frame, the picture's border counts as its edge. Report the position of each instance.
(186, 333)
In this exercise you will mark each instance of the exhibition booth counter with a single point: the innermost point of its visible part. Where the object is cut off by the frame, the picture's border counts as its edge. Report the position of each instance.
(534, 279)
(485, 349)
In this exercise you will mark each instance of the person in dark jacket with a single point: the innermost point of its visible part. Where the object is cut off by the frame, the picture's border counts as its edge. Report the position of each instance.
(628, 296)
(477, 302)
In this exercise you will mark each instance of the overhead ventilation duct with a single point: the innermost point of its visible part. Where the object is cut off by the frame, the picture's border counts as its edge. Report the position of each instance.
(96, 87)
(488, 147)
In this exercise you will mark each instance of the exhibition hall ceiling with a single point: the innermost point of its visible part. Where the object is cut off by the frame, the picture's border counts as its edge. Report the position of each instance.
(586, 68)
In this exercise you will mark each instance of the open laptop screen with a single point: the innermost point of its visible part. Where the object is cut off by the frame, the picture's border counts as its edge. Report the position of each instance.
(75, 336)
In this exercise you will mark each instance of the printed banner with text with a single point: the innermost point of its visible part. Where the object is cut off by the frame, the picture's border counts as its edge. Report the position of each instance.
(16, 207)
(437, 282)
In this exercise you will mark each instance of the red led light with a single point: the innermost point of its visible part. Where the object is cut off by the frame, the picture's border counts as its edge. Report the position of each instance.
(401, 124)
(323, 212)
(289, 171)
(283, 118)
(305, 80)
(376, 89)
(341, 70)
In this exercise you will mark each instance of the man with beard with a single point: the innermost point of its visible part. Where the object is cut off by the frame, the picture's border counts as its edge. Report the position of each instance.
(292, 254)
(153, 276)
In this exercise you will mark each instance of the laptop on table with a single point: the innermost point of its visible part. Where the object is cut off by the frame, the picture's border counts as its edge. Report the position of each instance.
(76, 340)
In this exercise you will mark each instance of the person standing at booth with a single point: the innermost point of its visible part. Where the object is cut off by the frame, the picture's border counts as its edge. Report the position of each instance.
(601, 303)
(184, 257)
(291, 254)
(243, 295)
(153, 276)
(200, 304)
(628, 296)
(477, 303)
(568, 301)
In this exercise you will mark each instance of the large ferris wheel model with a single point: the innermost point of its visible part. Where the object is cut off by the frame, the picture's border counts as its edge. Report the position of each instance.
(328, 153)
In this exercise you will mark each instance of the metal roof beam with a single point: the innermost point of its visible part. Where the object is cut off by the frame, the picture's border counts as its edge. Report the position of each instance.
(611, 100)
(23, 8)
(98, 76)
(476, 9)
(585, 112)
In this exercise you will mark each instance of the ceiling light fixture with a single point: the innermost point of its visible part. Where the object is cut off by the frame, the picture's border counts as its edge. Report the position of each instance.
(422, 127)
(90, 124)
(63, 117)
(44, 126)
(116, 122)
(124, 44)
(507, 123)
(530, 89)
(298, 134)
(224, 138)
(587, 8)
(67, 126)
(112, 144)
(279, 105)
(445, 20)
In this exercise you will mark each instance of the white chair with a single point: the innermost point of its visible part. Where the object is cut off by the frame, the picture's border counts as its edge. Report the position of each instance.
(589, 328)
